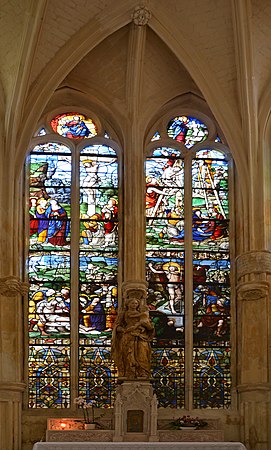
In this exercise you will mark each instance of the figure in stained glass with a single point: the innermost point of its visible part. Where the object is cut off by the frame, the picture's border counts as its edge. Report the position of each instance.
(92, 233)
(201, 229)
(172, 270)
(53, 315)
(211, 311)
(58, 226)
(49, 311)
(154, 196)
(110, 215)
(187, 130)
(42, 222)
(93, 314)
(164, 197)
(96, 172)
(74, 126)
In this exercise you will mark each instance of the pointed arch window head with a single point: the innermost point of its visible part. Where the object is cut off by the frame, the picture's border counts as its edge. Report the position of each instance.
(74, 125)
(188, 130)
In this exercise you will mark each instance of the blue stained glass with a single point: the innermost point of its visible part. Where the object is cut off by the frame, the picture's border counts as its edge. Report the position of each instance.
(74, 126)
(50, 170)
(53, 266)
(156, 136)
(51, 147)
(97, 375)
(101, 267)
(41, 132)
(208, 153)
(101, 172)
(49, 377)
(187, 130)
(98, 150)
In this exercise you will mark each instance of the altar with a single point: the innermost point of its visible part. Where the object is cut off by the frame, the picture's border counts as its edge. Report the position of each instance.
(139, 446)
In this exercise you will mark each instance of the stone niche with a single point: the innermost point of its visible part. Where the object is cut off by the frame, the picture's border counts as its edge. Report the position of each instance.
(135, 412)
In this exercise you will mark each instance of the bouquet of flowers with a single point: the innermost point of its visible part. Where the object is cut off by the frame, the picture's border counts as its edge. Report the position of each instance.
(88, 409)
(188, 422)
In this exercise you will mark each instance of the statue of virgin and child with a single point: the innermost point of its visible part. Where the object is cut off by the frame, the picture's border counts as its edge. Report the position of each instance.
(131, 340)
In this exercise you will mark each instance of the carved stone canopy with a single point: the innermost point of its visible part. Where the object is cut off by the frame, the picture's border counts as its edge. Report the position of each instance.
(135, 289)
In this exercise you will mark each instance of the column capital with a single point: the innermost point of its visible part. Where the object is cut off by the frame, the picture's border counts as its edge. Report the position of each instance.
(11, 286)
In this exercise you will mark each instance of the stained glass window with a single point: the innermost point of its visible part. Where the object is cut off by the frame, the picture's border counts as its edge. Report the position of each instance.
(74, 126)
(211, 279)
(188, 130)
(73, 235)
(73, 259)
(187, 244)
(98, 262)
(165, 270)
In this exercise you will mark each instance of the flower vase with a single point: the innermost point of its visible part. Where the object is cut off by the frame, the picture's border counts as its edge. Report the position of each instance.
(89, 426)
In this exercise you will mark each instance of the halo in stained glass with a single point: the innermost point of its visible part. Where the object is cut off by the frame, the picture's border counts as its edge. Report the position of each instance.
(74, 126)
(188, 130)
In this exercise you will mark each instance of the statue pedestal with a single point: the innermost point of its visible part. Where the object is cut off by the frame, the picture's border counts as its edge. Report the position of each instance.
(135, 412)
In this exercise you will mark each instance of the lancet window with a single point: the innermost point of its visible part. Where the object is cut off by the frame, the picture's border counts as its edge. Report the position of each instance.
(188, 263)
(72, 177)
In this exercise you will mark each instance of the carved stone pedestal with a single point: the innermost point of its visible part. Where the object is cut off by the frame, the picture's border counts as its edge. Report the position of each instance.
(135, 412)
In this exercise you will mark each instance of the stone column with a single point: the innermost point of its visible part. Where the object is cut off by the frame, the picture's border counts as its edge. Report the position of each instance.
(134, 187)
(11, 351)
(253, 354)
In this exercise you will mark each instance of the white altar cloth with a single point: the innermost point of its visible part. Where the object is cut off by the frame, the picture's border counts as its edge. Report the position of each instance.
(139, 446)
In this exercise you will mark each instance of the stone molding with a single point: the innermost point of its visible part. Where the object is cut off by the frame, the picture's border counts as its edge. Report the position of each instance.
(12, 386)
(141, 15)
(12, 286)
(254, 387)
(253, 262)
(252, 290)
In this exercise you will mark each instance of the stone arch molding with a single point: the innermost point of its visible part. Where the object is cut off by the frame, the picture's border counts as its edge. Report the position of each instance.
(92, 34)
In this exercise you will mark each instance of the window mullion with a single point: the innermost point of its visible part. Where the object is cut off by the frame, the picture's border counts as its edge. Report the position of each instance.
(75, 236)
(188, 284)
